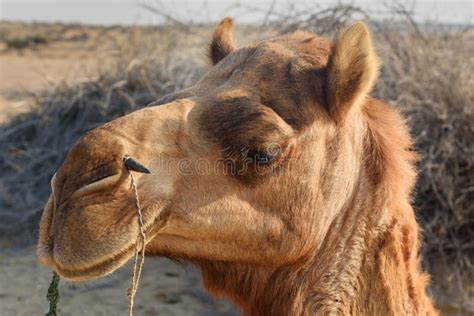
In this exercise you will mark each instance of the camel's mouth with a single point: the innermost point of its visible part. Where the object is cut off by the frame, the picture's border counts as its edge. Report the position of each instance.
(103, 267)
(96, 270)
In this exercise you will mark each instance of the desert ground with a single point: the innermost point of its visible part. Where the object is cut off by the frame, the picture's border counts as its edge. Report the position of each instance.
(76, 56)
(166, 288)
(73, 54)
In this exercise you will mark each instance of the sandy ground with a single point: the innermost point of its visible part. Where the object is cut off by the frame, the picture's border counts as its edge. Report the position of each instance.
(74, 53)
(23, 74)
(166, 288)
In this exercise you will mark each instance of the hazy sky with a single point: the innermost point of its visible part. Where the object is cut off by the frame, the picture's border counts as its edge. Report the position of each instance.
(129, 12)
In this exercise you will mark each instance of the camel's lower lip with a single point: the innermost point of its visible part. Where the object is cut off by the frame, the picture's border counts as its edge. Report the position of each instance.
(102, 268)
(96, 270)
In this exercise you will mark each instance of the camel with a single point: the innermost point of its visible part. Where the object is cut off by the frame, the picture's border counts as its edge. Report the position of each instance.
(277, 174)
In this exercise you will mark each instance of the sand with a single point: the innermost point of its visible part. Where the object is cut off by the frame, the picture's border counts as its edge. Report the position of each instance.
(166, 288)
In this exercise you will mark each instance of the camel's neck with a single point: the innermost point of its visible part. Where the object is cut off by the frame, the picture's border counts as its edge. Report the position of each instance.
(368, 261)
(357, 271)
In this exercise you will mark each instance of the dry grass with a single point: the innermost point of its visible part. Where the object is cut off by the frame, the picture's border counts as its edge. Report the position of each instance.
(428, 74)
(431, 80)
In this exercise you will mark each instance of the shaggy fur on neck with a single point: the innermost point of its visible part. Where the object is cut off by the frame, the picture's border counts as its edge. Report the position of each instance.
(368, 262)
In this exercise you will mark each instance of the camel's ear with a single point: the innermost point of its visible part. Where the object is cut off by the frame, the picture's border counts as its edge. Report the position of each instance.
(222, 41)
(351, 71)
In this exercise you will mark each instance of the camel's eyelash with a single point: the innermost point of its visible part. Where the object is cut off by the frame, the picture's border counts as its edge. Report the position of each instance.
(261, 157)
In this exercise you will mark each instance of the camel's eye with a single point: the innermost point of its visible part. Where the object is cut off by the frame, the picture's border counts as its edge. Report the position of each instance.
(262, 157)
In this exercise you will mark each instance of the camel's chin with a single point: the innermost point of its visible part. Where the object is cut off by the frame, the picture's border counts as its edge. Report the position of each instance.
(96, 270)
(101, 267)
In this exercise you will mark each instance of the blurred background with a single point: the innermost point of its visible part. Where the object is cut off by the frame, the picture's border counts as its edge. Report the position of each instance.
(67, 66)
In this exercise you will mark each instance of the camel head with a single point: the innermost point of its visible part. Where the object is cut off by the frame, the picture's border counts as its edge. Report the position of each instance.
(249, 166)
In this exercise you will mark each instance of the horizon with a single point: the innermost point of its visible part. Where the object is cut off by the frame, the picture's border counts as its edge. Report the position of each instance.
(132, 12)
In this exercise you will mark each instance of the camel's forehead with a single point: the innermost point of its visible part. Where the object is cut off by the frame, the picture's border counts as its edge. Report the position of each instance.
(275, 67)
(278, 52)
(299, 43)
(282, 73)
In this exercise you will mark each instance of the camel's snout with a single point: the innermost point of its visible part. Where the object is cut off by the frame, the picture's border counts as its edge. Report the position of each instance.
(89, 226)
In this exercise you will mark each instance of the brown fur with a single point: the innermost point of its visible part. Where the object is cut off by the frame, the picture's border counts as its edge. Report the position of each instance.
(319, 222)
(222, 42)
(352, 69)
